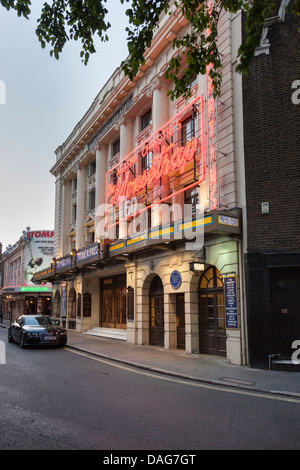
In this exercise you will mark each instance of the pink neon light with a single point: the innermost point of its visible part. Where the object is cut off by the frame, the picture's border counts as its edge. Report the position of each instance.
(202, 161)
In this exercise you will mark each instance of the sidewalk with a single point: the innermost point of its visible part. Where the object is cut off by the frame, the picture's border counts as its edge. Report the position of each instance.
(176, 363)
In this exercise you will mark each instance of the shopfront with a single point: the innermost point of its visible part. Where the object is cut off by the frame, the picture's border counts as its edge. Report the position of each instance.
(26, 300)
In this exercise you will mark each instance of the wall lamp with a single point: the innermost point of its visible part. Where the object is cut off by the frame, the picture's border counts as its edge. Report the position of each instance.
(100, 246)
(197, 267)
(53, 264)
(73, 257)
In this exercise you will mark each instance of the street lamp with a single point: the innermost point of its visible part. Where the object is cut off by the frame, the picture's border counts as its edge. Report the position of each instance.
(73, 257)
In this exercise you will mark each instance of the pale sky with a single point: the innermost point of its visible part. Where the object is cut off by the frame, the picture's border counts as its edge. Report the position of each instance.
(44, 100)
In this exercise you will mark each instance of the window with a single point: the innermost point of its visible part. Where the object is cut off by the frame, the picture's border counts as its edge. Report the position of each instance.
(146, 161)
(87, 304)
(146, 119)
(91, 198)
(191, 199)
(74, 207)
(116, 147)
(187, 130)
(91, 168)
(74, 185)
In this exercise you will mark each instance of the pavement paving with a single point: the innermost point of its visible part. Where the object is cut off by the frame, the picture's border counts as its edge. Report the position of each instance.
(177, 363)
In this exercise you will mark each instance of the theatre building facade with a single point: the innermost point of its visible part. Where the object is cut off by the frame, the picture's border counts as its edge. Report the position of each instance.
(149, 209)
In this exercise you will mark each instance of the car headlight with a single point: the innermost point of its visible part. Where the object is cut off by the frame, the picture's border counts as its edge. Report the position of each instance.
(32, 335)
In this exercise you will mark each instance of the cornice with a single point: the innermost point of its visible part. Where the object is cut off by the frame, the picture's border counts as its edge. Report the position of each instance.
(114, 93)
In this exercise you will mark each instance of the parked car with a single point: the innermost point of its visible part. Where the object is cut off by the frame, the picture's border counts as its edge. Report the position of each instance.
(37, 330)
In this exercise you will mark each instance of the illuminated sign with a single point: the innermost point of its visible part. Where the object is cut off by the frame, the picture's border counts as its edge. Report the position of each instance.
(211, 109)
(87, 253)
(35, 289)
(18, 289)
(169, 162)
(212, 142)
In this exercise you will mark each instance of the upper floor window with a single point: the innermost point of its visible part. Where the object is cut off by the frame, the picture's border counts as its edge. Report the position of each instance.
(146, 161)
(191, 199)
(116, 147)
(91, 199)
(74, 185)
(146, 119)
(188, 130)
(91, 170)
(74, 207)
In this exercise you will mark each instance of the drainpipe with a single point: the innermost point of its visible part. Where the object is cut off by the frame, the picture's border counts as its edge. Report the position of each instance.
(243, 306)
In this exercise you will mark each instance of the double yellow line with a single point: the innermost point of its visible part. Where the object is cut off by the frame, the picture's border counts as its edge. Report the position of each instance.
(187, 382)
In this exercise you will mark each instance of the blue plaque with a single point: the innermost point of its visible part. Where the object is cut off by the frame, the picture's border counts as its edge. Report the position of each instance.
(175, 279)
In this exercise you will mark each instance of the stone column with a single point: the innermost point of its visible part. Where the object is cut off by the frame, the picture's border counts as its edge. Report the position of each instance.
(58, 216)
(66, 216)
(126, 146)
(160, 105)
(101, 169)
(160, 116)
(126, 136)
(170, 339)
(80, 215)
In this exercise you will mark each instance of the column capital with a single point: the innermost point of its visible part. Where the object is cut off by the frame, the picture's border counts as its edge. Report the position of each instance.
(100, 146)
(157, 83)
(125, 120)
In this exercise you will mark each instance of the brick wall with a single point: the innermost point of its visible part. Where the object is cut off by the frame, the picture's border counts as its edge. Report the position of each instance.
(272, 150)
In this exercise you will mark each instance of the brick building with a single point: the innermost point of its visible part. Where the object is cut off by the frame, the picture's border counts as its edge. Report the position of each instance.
(272, 166)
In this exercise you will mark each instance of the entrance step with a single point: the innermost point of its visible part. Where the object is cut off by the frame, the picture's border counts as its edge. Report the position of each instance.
(112, 333)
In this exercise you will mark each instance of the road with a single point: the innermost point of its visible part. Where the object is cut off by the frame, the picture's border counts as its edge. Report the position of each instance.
(60, 399)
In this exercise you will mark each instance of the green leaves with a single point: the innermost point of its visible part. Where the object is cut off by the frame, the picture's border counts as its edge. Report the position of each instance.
(143, 19)
(66, 20)
(22, 7)
(197, 49)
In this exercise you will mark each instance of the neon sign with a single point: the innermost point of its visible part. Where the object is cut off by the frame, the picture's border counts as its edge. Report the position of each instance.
(171, 161)
(35, 289)
(212, 157)
(211, 134)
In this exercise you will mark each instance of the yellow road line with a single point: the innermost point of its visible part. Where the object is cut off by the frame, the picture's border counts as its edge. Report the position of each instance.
(186, 381)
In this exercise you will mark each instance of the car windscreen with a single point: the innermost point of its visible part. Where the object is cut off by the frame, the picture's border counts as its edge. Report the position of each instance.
(39, 321)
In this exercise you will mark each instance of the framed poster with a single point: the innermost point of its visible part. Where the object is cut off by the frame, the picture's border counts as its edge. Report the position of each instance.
(230, 294)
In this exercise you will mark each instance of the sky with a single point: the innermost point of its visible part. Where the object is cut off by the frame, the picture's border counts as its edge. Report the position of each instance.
(41, 101)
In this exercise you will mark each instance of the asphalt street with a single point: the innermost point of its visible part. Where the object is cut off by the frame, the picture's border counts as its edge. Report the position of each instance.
(71, 399)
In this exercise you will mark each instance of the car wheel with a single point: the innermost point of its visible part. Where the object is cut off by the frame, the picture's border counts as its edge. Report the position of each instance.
(10, 338)
(22, 341)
